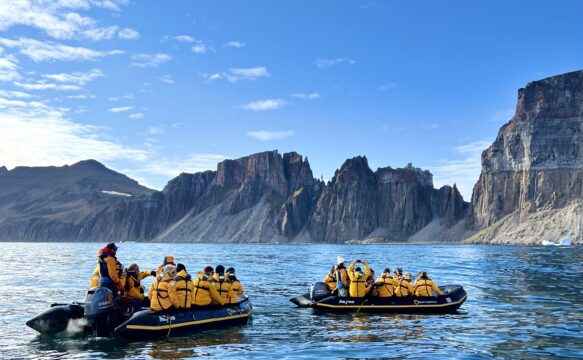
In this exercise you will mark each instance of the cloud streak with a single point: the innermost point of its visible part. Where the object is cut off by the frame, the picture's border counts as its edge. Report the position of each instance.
(234, 75)
(262, 135)
(149, 60)
(326, 63)
(263, 105)
(39, 51)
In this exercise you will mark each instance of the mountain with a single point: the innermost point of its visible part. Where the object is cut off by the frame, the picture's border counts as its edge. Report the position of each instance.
(50, 203)
(265, 197)
(531, 184)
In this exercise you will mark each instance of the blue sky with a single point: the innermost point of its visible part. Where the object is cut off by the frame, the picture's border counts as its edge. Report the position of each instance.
(155, 88)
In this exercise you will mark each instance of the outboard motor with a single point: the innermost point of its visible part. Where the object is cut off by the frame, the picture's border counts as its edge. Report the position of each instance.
(100, 311)
(319, 291)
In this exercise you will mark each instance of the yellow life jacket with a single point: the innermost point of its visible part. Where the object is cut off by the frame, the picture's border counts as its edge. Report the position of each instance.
(386, 286)
(224, 287)
(358, 285)
(181, 292)
(403, 288)
(133, 289)
(205, 291)
(160, 297)
(330, 280)
(236, 289)
(425, 287)
(94, 282)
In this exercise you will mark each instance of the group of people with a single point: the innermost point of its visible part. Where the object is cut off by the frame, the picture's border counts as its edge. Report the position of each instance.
(355, 281)
(172, 287)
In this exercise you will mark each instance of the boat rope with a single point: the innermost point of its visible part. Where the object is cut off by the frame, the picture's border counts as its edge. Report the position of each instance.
(169, 326)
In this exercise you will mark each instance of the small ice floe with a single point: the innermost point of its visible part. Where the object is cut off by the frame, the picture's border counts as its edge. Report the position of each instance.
(115, 193)
(566, 241)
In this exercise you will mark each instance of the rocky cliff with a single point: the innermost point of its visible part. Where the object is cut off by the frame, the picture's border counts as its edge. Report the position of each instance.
(264, 197)
(531, 184)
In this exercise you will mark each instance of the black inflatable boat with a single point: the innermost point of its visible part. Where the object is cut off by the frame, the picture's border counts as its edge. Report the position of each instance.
(101, 316)
(321, 299)
(147, 324)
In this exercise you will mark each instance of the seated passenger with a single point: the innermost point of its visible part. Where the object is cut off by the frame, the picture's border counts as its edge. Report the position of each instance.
(358, 286)
(236, 286)
(385, 284)
(94, 282)
(398, 274)
(330, 279)
(110, 269)
(133, 291)
(342, 279)
(223, 284)
(182, 289)
(168, 260)
(403, 287)
(424, 285)
(204, 290)
(160, 289)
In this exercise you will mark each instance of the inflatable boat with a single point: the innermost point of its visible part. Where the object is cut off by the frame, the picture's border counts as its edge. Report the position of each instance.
(101, 316)
(147, 324)
(321, 299)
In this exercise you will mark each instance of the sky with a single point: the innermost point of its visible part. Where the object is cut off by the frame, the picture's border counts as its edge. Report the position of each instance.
(156, 88)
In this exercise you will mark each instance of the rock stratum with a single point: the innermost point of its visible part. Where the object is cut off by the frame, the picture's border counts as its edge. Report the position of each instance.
(530, 189)
(531, 184)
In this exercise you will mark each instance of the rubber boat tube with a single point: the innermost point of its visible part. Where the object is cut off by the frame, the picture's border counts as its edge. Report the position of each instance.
(148, 324)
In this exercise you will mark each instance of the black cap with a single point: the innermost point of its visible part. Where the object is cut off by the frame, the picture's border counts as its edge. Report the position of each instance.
(180, 267)
(111, 246)
(230, 269)
(220, 269)
(357, 269)
(387, 270)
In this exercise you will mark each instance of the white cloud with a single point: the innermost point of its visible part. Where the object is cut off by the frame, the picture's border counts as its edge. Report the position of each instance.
(56, 19)
(184, 38)
(388, 86)
(155, 130)
(81, 97)
(128, 34)
(172, 167)
(311, 96)
(463, 171)
(14, 94)
(263, 135)
(136, 116)
(8, 67)
(34, 134)
(149, 60)
(235, 44)
(167, 79)
(125, 96)
(120, 109)
(264, 105)
(502, 116)
(50, 51)
(199, 48)
(39, 86)
(80, 78)
(237, 74)
(324, 63)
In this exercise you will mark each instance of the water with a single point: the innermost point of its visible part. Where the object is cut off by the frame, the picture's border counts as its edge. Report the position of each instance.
(523, 302)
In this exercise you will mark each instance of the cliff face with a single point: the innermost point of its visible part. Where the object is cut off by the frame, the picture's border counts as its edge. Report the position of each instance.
(389, 204)
(536, 162)
(264, 197)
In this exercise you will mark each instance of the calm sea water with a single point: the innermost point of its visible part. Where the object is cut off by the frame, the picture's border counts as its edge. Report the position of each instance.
(523, 302)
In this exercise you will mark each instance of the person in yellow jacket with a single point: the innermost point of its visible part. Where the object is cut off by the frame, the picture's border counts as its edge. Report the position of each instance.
(403, 287)
(342, 279)
(168, 260)
(398, 275)
(385, 285)
(330, 279)
(94, 282)
(424, 285)
(181, 291)
(204, 290)
(236, 286)
(223, 284)
(110, 269)
(160, 290)
(358, 286)
(133, 290)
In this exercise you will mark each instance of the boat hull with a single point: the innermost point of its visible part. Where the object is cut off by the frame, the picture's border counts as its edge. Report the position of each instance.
(451, 300)
(148, 324)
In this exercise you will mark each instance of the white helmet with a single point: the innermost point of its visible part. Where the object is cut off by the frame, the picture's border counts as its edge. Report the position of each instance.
(340, 260)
